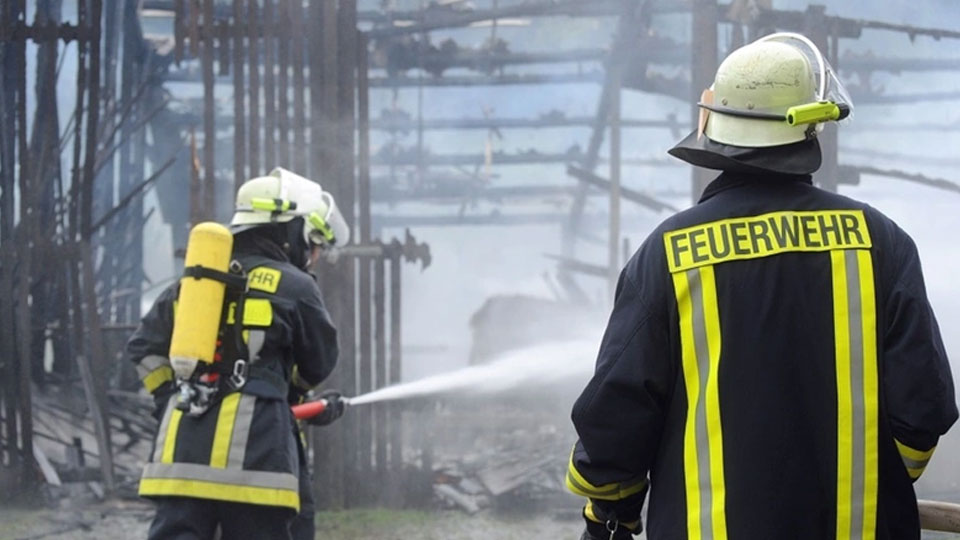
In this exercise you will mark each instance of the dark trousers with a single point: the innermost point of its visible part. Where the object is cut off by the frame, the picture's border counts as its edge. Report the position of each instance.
(183, 518)
(304, 526)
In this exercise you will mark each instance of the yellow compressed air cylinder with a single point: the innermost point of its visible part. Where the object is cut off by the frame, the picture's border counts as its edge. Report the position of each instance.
(200, 303)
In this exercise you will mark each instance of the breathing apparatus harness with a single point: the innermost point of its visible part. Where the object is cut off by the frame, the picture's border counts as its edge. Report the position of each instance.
(211, 381)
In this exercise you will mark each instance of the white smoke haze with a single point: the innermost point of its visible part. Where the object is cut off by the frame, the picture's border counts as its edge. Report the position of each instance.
(526, 369)
(473, 264)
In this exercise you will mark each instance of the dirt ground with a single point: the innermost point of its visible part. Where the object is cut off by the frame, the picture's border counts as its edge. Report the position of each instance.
(130, 520)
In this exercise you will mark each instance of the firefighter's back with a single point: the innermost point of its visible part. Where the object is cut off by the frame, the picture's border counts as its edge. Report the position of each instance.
(775, 428)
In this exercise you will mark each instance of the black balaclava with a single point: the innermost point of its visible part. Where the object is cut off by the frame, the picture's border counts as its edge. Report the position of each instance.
(281, 241)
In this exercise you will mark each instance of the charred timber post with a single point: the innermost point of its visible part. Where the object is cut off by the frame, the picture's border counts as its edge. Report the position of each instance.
(629, 27)
(269, 94)
(396, 363)
(8, 384)
(615, 132)
(253, 67)
(27, 221)
(282, 23)
(370, 364)
(91, 313)
(239, 95)
(816, 26)
(209, 110)
(299, 90)
(704, 61)
(364, 417)
(383, 424)
(343, 136)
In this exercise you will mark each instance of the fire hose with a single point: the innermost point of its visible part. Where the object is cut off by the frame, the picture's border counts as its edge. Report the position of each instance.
(310, 409)
(939, 516)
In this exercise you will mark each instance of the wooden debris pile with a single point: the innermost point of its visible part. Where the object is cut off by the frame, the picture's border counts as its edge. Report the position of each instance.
(66, 444)
(519, 467)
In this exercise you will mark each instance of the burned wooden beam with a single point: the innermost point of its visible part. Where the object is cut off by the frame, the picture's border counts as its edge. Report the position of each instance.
(627, 193)
(938, 183)
(503, 158)
(495, 219)
(581, 267)
(544, 121)
(492, 80)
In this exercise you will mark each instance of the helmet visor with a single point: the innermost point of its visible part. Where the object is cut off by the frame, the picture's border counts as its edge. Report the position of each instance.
(829, 86)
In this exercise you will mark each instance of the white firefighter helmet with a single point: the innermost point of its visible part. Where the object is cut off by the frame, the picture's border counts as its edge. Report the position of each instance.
(775, 91)
(282, 196)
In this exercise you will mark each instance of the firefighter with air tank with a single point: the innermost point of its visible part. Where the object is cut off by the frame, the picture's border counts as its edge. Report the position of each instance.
(772, 367)
(225, 351)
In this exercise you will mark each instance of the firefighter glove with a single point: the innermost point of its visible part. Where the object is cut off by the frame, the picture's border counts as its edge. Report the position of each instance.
(604, 523)
(334, 410)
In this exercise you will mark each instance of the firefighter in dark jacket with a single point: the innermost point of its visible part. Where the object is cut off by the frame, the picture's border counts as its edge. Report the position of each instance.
(772, 368)
(235, 461)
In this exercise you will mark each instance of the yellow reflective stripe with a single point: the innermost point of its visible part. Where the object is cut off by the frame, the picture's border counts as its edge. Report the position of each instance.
(224, 430)
(221, 492)
(579, 485)
(914, 460)
(691, 379)
(914, 454)
(858, 393)
(841, 331)
(871, 394)
(160, 442)
(711, 314)
(155, 378)
(588, 512)
(701, 347)
(170, 439)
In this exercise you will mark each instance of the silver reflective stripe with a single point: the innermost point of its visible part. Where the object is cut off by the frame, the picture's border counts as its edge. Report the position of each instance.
(150, 363)
(702, 437)
(255, 343)
(607, 491)
(857, 392)
(241, 431)
(914, 464)
(162, 433)
(237, 477)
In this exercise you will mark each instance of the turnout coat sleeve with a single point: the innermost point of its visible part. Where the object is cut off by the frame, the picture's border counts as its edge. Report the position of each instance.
(620, 414)
(150, 344)
(315, 346)
(917, 380)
